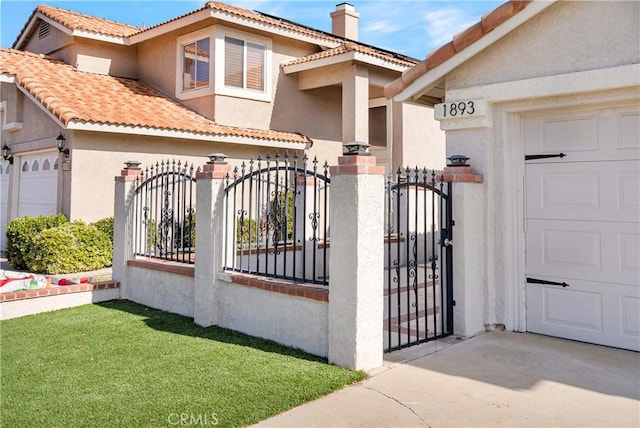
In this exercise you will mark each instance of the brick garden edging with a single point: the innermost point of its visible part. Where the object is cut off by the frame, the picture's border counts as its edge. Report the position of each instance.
(53, 291)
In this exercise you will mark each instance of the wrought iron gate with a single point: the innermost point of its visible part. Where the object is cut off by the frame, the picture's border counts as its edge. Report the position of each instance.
(418, 259)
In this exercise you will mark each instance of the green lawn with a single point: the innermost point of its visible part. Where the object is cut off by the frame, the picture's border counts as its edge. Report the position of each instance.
(122, 364)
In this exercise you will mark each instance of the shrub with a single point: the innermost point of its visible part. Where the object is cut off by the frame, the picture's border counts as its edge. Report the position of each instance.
(73, 247)
(105, 226)
(242, 231)
(20, 234)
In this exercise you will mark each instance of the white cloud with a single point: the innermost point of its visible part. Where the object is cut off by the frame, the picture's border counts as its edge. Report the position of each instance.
(443, 24)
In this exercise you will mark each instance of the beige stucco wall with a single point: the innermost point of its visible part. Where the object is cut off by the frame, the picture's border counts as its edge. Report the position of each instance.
(86, 54)
(98, 157)
(566, 37)
(50, 44)
(423, 142)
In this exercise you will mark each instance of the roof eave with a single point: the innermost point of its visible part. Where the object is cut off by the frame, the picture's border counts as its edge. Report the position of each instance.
(421, 86)
(78, 125)
(341, 58)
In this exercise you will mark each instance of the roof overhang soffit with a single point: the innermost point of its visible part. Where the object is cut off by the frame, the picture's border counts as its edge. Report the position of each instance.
(19, 44)
(422, 89)
(346, 57)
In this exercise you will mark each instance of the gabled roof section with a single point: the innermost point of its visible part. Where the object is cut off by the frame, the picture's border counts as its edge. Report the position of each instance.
(75, 23)
(275, 25)
(80, 100)
(349, 51)
(425, 75)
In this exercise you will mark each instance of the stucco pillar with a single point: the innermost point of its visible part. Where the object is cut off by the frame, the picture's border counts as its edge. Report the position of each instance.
(209, 240)
(123, 226)
(469, 276)
(355, 105)
(357, 256)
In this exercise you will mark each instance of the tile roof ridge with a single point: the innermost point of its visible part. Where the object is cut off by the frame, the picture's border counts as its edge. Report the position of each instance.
(45, 9)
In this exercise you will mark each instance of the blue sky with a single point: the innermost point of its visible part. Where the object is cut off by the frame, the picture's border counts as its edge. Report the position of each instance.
(408, 27)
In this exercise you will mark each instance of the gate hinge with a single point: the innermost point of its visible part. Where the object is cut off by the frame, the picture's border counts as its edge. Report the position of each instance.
(453, 303)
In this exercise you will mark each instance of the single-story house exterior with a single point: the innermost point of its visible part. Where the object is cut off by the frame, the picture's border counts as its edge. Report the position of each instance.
(218, 79)
(544, 98)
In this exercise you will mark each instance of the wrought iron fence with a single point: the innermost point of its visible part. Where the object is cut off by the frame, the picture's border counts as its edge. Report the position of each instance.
(164, 214)
(276, 215)
(418, 259)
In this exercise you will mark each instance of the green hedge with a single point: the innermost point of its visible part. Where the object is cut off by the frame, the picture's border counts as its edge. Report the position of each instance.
(20, 234)
(105, 226)
(73, 247)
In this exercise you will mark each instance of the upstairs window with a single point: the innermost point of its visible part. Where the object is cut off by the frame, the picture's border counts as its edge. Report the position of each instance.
(195, 64)
(244, 65)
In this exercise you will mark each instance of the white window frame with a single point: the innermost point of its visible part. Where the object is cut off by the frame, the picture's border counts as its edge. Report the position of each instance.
(220, 87)
(185, 94)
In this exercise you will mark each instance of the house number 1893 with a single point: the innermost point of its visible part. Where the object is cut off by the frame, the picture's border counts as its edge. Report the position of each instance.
(460, 109)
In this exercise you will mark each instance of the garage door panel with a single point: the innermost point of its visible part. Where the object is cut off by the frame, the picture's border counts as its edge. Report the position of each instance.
(598, 251)
(583, 225)
(584, 191)
(586, 311)
(608, 134)
(630, 129)
(38, 187)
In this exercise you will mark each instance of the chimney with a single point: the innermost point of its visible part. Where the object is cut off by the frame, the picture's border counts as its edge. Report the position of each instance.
(344, 21)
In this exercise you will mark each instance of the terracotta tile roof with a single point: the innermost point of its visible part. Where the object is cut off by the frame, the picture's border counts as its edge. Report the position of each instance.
(81, 22)
(353, 47)
(460, 42)
(72, 95)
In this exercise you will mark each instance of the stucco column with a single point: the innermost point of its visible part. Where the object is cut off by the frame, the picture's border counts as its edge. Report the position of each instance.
(122, 224)
(209, 240)
(355, 105)
(357, 257)
(469, 276)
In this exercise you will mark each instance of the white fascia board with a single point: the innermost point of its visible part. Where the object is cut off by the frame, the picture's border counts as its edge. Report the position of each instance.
(431, 78)
(101, 37)
(344, 57)
(7, 78)
(169, 133)
(229, 18)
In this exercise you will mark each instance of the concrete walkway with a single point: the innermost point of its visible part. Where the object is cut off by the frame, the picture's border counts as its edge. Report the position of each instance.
(493, 380)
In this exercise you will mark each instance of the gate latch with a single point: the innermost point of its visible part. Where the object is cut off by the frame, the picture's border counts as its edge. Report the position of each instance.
(445, 240)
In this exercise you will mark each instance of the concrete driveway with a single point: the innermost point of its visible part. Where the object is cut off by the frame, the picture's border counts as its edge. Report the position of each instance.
(495, 379)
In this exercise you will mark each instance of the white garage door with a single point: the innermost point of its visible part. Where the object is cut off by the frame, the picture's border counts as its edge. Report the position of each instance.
(38, 188)
(582, 226)
(4, 201)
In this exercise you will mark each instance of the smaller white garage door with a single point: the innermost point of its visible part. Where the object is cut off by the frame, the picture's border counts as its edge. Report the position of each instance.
(38, 188)
(583, 226)
(5, 170)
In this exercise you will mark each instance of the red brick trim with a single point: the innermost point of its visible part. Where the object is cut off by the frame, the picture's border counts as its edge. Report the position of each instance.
(53, 291)
(462, 174)
(262, 250)
(213, 170)
(352, 165)
(164, 266)
(281, 286)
